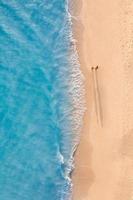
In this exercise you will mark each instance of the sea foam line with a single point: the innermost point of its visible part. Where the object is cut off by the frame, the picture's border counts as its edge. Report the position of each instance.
(77, 94)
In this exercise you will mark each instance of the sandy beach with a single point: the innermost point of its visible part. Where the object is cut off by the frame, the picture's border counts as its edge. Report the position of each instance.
(104, 158)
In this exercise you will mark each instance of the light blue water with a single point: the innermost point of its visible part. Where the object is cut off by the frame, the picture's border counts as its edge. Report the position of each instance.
(40, 100)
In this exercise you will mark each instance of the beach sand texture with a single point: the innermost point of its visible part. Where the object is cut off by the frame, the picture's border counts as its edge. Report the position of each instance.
(104, 158)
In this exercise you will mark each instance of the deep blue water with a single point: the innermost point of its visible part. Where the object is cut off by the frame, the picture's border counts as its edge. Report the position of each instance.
(40, 94)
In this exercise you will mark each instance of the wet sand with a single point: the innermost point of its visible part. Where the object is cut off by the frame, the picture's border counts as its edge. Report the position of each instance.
(104, 158)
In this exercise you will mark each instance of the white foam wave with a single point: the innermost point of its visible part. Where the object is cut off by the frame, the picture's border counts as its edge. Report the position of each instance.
(77, 93)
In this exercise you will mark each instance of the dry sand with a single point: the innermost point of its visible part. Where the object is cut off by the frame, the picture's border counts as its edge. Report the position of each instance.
(104, 159)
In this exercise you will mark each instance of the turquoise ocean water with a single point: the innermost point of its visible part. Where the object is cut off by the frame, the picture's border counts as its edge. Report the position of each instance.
(41, 100)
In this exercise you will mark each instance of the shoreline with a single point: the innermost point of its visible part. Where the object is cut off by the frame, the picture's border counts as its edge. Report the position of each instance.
(103, 160)
(82, 164)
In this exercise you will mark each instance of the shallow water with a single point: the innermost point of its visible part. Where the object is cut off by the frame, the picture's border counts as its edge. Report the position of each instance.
(40, 100)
